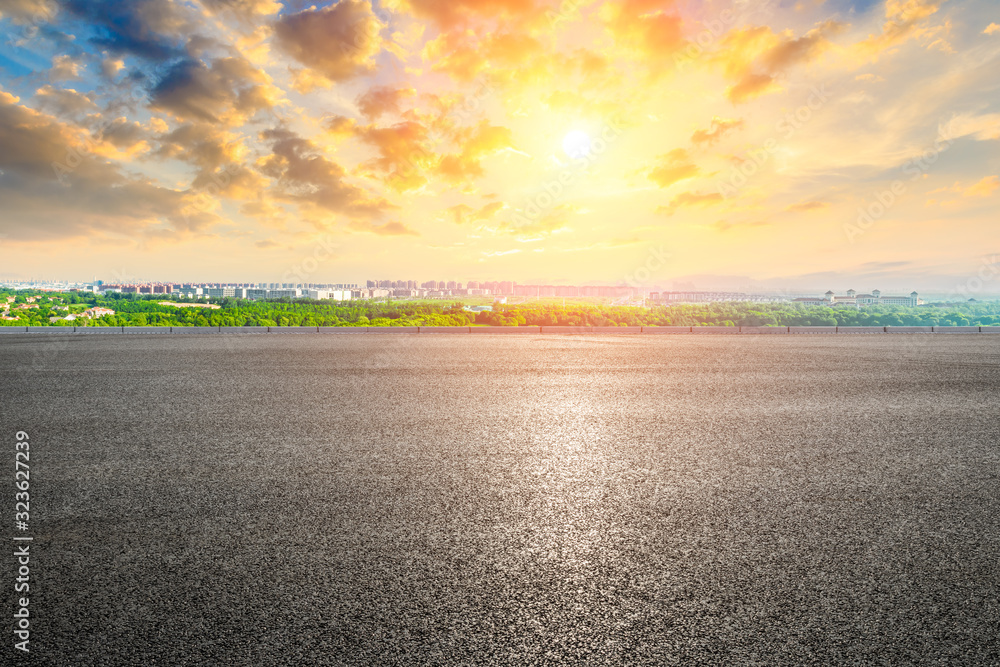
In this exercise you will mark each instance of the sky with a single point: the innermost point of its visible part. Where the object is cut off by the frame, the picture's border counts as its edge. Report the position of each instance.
(676, 144)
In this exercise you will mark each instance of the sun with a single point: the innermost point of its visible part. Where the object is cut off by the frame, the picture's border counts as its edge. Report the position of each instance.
(576, 144)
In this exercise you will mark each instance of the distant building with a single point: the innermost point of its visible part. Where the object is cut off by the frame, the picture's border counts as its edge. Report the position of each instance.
(291, 292)
(852, 298)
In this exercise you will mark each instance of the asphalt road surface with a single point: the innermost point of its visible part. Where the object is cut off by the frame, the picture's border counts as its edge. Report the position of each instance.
(316, 499)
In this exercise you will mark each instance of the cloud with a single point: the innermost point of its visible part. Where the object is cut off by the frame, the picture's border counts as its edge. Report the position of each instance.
(991, 29)
(805, 206)
(869, 78)
(645, 25)
(404, 156)
(725, 226)
(673, 167)
(983, 188)
(791, 52)
(463, 213)
(123, 134)
(149, 29)
(266, 243)
(64, 101)
(23, 12)
(64, 68)
(984, 127)
(55, 187)
(902, 23)
(500, 253)
(508, 58)
(751, 86)
(756, 57)
(554, 221)
(110, 67)
(201, 144)
(381, 100)
(304, 176)
(340, 126)
(243, 8)
(457, 54)
(720, 126)
(388, 229)
(690, 200)
(477, 143)
(339, 42)
(229, 91)
(454, 12)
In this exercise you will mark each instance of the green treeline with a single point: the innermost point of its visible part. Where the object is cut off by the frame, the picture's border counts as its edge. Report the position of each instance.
(144, 310)
(731, 313)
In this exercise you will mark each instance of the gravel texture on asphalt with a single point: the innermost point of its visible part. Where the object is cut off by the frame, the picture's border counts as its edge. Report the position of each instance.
(312, 500)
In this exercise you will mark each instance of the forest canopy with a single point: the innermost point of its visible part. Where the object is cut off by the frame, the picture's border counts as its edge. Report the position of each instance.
(33, 308)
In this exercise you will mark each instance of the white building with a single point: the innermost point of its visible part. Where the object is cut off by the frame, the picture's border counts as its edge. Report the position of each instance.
(852, 298)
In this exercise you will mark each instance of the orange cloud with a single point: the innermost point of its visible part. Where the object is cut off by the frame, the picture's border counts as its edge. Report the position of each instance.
(673, 167)
(755, 57)
(902, 19)
(388, 229)
(648, 27)
(725, 226)
(720, 126)
(802, 207)
(983, 188)
(340, 126)
(456, 54)
(448, 14)
(751, 86)
(690, 200)
(477, 143)
(403, 154)
(463, 213)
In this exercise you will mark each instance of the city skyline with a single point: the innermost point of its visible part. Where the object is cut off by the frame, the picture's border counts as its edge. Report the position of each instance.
(791, 147)
(374, 289)
(983, 284)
